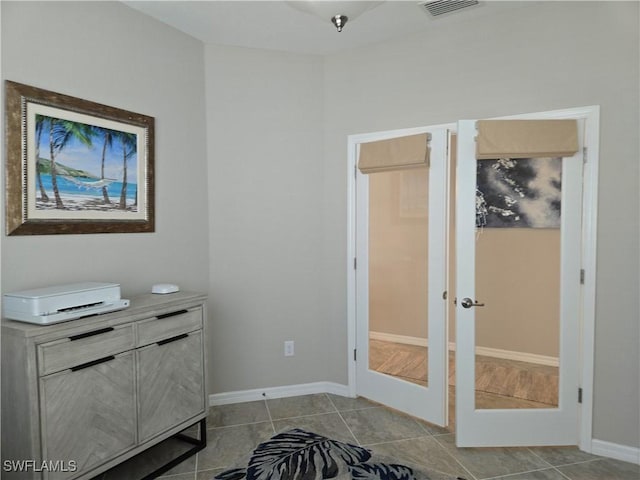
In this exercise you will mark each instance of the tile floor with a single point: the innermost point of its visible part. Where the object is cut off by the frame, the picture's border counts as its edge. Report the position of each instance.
(234, 430)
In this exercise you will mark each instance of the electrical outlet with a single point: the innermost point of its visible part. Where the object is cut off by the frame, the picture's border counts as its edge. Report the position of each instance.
(288, 348)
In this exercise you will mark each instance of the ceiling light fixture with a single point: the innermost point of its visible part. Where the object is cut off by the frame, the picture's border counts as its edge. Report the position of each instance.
(339, 21)
(337, 11)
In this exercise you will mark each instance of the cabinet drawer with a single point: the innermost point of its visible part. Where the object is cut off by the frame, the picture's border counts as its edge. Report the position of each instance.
(169, 325)
(84, 347)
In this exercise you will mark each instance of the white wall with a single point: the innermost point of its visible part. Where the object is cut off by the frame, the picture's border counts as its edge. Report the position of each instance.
(265, 132)
(108, 53)
(541, 56)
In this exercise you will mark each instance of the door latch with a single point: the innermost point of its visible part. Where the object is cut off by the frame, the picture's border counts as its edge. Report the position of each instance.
(468, 303)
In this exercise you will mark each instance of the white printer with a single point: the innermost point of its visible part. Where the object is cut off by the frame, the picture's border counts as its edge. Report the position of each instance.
(61, 303)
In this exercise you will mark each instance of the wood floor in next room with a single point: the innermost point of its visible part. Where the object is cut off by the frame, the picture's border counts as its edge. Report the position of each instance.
(500, 383)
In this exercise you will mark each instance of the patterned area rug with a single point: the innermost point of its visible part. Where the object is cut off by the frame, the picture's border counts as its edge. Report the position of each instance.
(301, 455)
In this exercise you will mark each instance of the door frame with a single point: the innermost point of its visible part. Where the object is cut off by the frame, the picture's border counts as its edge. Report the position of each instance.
(591, 115)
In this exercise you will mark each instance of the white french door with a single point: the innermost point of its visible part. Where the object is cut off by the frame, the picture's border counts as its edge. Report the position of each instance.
(476, 424)
(426, 397)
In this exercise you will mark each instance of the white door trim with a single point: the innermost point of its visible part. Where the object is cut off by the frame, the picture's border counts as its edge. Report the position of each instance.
(589, 233)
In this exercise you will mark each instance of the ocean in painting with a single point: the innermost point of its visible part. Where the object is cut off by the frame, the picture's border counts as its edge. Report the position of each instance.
(78, 197)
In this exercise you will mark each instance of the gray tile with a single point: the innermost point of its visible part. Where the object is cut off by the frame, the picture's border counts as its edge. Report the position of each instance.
(548, 474)
(237, 414)
(379, 425)
(493, 462)
(433, 475)
(329, 425)
(181, 476)
(228, 445)
(563, 455)
(298, 406)
(432, 429)
(193, 431)
(207, 474)
(188, 465)
(605, 469)
(422, 453)
(345, 403)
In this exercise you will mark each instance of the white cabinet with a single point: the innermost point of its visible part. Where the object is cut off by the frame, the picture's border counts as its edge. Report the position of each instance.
(80, 397)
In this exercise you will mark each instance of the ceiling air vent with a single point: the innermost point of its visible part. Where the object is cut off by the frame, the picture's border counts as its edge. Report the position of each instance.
(440, 7)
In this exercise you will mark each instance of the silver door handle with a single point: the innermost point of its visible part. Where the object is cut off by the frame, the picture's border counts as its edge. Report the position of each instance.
(468, 303)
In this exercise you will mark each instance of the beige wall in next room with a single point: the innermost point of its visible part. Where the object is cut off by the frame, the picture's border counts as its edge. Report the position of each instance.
(517, 271)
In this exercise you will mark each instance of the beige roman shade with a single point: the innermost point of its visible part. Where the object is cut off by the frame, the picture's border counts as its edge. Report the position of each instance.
(394, 154)
(526, 138)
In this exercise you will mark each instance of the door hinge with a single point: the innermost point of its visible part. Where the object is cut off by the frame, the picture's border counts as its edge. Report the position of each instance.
(579, 395)
(444, 295)
(355, 263)
(355, 171)
(584, 154)
(582, 276)
(355, 355)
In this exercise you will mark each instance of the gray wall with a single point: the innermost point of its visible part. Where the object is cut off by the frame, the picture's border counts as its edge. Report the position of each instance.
(264, 133)
(542, 56)
(108, 53)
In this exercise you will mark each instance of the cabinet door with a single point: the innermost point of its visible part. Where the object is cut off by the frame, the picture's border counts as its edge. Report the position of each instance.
(88, 413)
(171, 383)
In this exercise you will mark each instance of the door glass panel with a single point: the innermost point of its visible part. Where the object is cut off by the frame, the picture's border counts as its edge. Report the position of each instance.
(518, 211)
(398, 238)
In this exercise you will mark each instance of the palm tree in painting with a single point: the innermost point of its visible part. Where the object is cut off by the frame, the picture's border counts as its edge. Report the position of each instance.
(60, 133)
(107, 137)
(129, 147)
(40, 125)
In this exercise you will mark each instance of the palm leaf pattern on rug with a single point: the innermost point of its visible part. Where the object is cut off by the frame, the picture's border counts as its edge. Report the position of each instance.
(381, 471)
(301, 455)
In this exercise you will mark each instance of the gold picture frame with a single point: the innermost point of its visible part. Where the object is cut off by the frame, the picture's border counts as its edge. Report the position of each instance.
(74, 166)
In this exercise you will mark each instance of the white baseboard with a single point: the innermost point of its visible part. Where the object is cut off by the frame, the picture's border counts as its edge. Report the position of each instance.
(614, 450)
(404, 339)
(485, 351)
(278, 392)
(519, 356)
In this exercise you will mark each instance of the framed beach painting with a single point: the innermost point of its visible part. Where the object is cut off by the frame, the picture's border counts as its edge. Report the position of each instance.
(75, 166)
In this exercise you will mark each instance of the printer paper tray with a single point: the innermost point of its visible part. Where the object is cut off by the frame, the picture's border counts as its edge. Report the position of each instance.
(69, 314)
